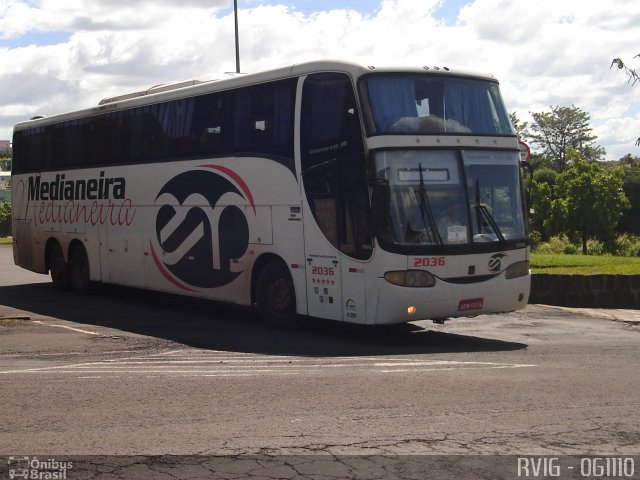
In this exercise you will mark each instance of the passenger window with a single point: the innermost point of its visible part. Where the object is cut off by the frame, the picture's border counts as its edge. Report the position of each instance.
(262, 119)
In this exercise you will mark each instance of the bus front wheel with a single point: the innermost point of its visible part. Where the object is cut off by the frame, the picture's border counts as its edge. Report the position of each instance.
(276, 296)
(79, 270)
(58, 268)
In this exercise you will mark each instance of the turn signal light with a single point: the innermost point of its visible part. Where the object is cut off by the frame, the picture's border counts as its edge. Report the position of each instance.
(410, 278)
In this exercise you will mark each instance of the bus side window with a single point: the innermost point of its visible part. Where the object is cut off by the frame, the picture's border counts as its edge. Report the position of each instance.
(262, 119)
(150, 141)
(209, 127)
(107, 138)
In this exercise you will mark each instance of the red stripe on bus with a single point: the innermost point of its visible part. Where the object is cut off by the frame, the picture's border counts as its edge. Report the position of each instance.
(165, 273)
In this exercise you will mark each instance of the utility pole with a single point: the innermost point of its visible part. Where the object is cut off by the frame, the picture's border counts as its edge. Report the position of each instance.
(235, 12)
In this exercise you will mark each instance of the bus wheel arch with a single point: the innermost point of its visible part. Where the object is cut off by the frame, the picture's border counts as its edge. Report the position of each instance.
(273, 292)
(57, 265)
(79, 268)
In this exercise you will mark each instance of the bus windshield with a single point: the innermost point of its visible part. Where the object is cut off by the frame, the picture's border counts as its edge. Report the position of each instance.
(447, 197)
(410, 103)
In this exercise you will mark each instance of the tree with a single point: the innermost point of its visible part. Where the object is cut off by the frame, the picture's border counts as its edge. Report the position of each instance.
(630, 221)
(5, 219)
(522, 131)
(545, 175)
(5, 160)
(549, 212)
(519, 126)
(563, 128)
(541, 217)
(593, 198)
(631, 73)
(629, 161)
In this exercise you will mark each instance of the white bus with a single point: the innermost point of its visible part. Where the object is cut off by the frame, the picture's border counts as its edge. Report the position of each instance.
(328, 189)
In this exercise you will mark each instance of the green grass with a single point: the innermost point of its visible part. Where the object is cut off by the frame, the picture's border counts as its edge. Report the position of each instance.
(5, 240)
(584, 264)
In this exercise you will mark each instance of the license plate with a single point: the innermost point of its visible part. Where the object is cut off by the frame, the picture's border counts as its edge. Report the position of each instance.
(471, 304)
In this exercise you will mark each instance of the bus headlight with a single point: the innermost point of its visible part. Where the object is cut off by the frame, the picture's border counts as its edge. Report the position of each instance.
(518, 269)
(410, 278)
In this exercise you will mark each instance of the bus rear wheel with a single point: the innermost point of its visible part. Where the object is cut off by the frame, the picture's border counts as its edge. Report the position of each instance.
(276, 296)
(58, 268)
(79, 270)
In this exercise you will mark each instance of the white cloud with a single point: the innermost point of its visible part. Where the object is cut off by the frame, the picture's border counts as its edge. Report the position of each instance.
(544, 52)
(619, 134)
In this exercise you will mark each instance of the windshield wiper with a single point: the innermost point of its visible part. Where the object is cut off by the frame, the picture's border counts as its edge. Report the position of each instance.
(426, 212)
(484, 214)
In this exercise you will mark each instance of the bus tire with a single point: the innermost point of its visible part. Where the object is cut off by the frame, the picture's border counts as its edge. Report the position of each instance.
(79, 273)
(58, 268)
(276, 296)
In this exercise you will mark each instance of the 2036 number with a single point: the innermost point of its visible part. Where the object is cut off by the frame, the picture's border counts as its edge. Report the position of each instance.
(323, 271)
(430, 262)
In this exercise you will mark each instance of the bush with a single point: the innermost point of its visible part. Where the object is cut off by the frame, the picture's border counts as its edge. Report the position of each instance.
(5, 219)
(627, 245)
(594, 247)
(536, 238)
(558, 245)
(571, 249)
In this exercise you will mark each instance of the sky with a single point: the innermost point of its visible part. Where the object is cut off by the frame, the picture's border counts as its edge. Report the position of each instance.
(62, 55)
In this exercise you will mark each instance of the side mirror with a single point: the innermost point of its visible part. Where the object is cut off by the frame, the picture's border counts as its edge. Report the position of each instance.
(527, 174)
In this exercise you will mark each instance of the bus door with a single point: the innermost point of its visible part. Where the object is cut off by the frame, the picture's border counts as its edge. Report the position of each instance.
(337, 235)
(337, 244)
(324, 292)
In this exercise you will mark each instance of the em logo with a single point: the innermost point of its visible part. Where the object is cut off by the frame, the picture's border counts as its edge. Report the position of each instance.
(495, 262)
(201, 227)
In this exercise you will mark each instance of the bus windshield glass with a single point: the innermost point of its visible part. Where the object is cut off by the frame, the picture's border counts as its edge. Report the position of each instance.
(447, 197)
(410, 103)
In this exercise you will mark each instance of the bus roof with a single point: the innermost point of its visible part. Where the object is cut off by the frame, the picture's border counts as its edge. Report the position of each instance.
(228, 81)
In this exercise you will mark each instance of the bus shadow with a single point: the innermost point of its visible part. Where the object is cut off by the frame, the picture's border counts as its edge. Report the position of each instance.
(215, 326)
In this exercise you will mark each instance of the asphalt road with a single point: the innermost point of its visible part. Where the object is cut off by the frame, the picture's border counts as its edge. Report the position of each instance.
(128, 372)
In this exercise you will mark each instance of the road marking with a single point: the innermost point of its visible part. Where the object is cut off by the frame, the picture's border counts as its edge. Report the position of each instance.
(74, 329)
(208, 363)
(60, 354)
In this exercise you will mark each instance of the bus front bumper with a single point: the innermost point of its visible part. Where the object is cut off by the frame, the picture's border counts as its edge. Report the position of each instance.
(396, 304)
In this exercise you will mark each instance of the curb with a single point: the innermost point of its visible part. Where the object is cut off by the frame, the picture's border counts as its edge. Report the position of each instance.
(617, 315)
(586, 291)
